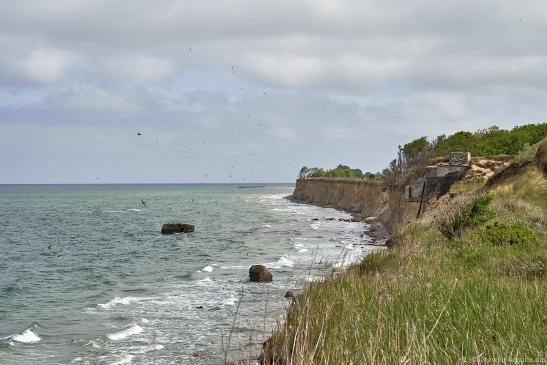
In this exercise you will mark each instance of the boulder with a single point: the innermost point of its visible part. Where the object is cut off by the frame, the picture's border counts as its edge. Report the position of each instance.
(290, 295)
(259, 273)
(170, 228)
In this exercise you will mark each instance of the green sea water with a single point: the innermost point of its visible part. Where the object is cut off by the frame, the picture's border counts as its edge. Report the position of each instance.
(87, 278)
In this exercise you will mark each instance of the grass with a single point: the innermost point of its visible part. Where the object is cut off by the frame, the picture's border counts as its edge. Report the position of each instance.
(432, 298)
(467, 186)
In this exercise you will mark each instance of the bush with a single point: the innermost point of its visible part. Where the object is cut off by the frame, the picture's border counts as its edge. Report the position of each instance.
(339, 171)
(527, 152)
(500, 234)
(492, 141)
(462, 212)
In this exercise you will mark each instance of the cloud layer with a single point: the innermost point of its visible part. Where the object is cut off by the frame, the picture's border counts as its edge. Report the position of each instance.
(253, 90)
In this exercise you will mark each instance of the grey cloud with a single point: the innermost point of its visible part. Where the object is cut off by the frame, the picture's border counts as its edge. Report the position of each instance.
(261, 86)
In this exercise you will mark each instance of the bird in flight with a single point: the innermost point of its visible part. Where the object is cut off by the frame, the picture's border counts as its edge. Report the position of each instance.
(139, 134)
(143, 203)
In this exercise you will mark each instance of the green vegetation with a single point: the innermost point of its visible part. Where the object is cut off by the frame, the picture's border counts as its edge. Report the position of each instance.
(492, 141)
(463, 212)
(527, 152)
(505, 234)
(474, 292)
(339, 171)
(413, 157)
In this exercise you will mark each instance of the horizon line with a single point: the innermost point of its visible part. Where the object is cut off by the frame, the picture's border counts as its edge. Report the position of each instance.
(153, 183)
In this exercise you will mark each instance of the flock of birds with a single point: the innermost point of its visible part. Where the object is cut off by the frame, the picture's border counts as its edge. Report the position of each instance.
(231, 171)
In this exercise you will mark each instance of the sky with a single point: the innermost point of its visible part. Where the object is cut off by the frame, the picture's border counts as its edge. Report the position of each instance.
(251, 91)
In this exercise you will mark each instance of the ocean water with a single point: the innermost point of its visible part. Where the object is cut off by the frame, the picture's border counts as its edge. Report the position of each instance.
(87, 278)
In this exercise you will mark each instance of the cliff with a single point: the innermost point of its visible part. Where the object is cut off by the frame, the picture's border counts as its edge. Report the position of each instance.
(358, 196)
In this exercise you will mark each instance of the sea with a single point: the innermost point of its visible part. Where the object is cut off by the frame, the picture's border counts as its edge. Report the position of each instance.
(87, 278)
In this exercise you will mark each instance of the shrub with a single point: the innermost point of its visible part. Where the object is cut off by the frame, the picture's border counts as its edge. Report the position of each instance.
(462, 212)
(527, 152)
(492, 141)
(501, 234)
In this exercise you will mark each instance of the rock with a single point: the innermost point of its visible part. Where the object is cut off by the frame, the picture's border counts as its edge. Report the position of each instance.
(199, 307)
(290, 294)
(170, 228)
(541, 156)
(259, 273)
(315, 219)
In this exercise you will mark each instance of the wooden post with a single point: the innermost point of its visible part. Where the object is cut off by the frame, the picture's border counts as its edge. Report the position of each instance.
(422, 197)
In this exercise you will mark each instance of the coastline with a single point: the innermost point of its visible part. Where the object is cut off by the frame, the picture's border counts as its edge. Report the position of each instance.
(378, 233)
(378, 230)
(431, 297)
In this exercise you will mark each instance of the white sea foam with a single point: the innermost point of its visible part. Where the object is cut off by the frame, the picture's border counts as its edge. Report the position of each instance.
(149, 348)
(134, 210)
(234, 267)
(205, 280)
(133, 330)
(126, 359)
(145, 321)
(208, 268)
(114, 211)
(118, 301)
(230, 301)
(93, 344)
(26, 337)
(155, 347)
(283, 261)
(315, 225)
(302, 250)
(266, 226)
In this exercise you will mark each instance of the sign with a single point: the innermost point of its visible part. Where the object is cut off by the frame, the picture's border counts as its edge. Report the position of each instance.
(459, 158)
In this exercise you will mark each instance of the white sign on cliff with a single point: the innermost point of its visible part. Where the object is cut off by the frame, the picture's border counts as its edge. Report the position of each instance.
(459, 158)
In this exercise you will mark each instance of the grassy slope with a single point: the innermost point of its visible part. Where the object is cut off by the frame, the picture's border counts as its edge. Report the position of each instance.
(430, 299)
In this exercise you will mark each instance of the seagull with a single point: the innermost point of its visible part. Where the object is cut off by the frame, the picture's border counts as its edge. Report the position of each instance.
(139, 134)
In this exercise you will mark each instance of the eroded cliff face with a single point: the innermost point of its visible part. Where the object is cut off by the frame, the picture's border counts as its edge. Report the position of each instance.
(358, 196)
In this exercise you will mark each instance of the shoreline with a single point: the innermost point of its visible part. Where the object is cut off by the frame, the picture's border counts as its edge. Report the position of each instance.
(379, 236)
(378, 230)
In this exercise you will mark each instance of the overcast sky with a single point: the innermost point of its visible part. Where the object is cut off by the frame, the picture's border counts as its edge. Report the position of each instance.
(232, 91)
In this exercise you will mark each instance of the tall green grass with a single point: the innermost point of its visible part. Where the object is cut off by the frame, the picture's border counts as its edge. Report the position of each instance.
(434, 298)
